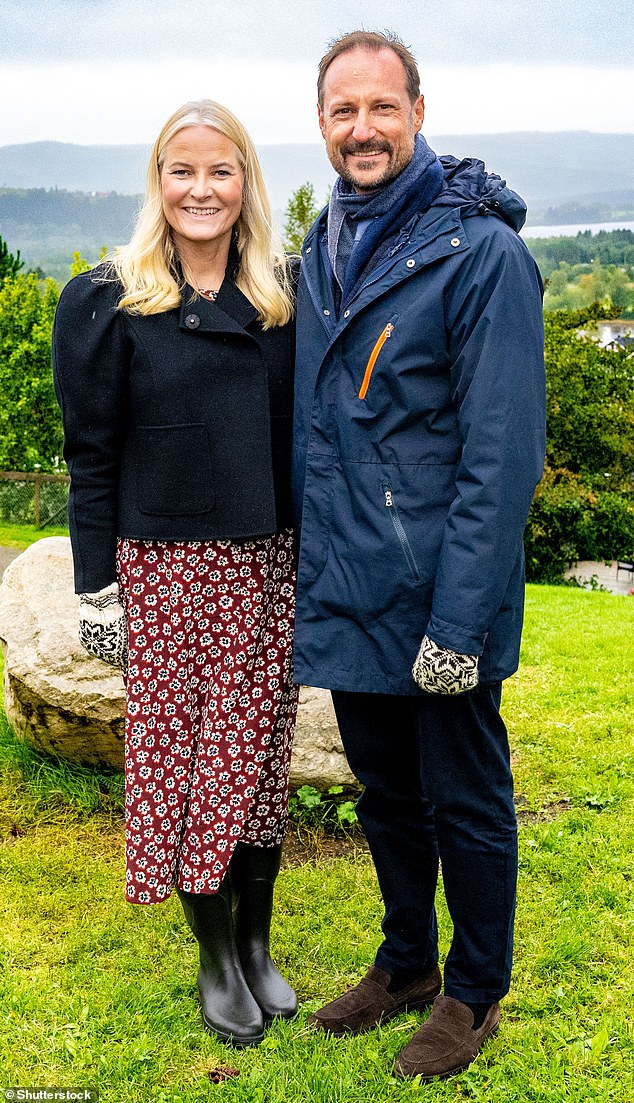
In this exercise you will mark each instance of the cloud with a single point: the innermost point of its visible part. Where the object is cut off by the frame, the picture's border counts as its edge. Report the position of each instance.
(447, 32)
(114, 70)
(128, 101)
(499, 98)
(95, 105)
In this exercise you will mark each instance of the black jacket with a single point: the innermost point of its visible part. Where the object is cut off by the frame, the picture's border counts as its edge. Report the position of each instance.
(177, 425)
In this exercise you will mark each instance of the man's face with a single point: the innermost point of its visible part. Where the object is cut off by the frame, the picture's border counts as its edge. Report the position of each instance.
(368, 120)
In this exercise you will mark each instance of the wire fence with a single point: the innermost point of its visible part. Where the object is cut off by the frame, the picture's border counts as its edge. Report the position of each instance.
(32, 498)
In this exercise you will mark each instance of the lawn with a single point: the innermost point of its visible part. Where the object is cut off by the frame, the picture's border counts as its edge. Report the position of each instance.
(98, 994)
(21, 536)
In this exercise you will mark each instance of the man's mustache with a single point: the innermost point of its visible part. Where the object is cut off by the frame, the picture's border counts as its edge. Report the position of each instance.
(360, 148)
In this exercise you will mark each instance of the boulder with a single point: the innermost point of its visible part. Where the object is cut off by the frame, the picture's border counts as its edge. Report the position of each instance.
(318, 757)
(62, 700)
(68, 704)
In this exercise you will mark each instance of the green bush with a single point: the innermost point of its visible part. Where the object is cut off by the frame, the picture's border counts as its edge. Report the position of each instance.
(30, 421)
(569, 521)
(606, 530)
(584, 505)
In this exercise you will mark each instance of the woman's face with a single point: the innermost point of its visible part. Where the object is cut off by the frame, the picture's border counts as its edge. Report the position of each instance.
(201, 184)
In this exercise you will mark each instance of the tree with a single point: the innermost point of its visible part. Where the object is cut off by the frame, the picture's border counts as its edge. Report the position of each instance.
(80, 264)
(10, 264)
(30, 421)
(589, 401)
(606, 247)
(584, 505)
(299, 216)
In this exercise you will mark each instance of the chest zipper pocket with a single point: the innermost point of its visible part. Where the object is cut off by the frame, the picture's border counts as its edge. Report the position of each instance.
(390, 505)
(369, 368)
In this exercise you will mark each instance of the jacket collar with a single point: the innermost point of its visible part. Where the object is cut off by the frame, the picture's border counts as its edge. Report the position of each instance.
(231, 313)
(468, 190)
(425, 239)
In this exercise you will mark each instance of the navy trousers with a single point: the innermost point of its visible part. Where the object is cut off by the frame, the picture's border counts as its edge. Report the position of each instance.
(438, 785)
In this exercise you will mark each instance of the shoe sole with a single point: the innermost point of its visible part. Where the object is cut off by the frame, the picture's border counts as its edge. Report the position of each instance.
(227, 1037)
(450, 1072)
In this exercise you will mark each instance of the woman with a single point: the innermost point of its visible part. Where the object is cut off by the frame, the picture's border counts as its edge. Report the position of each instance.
(173, 368)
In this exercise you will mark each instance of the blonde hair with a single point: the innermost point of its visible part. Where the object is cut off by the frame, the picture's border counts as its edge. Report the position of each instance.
(147, 265)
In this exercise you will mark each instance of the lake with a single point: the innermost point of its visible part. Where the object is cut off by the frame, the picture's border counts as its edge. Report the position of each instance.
(572, 230)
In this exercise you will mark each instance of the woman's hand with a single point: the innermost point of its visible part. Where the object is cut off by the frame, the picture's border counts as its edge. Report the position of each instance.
(103, 630)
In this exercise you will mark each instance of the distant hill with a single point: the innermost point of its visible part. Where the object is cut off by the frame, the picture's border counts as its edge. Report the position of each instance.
(552, 169)
(122, 168)
(566, 177)
(548, 169)
(48, 225)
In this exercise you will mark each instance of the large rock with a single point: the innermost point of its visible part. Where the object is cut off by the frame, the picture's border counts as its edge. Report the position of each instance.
(71, 705)
(63, 701)
(318, 757)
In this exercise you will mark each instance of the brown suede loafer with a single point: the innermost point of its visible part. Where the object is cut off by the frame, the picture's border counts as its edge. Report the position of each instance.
(370, 1003)
(446, 1043)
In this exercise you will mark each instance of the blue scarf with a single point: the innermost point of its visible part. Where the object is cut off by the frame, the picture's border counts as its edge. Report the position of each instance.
(389, 208)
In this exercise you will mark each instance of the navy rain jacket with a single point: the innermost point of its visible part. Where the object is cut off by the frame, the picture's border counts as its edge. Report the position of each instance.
(419, 440)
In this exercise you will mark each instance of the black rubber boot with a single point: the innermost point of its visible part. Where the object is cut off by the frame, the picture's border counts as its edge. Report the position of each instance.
(228, 1008)
(254, 870)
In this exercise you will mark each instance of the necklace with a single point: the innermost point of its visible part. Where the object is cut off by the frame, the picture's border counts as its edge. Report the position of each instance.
(209, 294)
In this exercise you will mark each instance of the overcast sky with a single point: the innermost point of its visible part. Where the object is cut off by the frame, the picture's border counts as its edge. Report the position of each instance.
(104, 71)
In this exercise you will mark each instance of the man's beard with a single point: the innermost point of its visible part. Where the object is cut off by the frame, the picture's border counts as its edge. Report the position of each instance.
(396, 163)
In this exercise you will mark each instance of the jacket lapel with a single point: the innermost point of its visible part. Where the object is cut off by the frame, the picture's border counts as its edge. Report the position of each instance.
(231, 313)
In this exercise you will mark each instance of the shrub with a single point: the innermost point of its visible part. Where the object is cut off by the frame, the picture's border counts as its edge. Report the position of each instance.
(584, 505)
(570, 521)
(30, 421)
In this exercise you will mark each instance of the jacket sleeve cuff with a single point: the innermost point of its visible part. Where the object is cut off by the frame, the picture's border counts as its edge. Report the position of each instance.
(464, 640)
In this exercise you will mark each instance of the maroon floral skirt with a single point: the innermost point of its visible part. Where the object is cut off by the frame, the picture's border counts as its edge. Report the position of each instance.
(211, 707)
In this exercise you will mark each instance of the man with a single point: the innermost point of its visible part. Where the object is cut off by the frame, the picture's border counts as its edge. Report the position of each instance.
(419, 441)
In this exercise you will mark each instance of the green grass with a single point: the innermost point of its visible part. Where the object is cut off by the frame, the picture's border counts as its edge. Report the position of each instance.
(21, 536)
(97, 993)
(570, 710)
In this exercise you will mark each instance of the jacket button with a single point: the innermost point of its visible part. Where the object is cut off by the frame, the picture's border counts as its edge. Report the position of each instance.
(411, 263)
(192, 321)
(455, 241)
(309, 249)
(327, 313)
(346, 313)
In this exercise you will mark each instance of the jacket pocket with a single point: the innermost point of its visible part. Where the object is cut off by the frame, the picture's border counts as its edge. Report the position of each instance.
(390, 505)
(175, 472)
(369, 368)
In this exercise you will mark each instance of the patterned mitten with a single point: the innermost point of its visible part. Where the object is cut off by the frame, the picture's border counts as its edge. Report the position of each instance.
(102, 626)
(439, 670)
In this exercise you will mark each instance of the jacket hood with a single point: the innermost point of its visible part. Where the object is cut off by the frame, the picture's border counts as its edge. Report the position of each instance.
(467, 182)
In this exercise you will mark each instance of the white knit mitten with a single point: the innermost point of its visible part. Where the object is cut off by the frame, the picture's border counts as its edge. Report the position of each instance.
(439, 670)
(102, 626)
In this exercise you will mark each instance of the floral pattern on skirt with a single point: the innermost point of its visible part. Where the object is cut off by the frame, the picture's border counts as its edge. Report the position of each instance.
(211, 707)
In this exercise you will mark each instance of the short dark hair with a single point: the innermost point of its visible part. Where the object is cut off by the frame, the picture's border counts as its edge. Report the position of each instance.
(375, 41)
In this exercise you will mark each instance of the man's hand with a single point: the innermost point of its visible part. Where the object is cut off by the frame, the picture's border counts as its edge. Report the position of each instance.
(102, 626)
(439, 670)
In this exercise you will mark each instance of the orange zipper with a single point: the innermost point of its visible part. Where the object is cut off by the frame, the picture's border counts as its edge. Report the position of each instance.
(387, 332)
